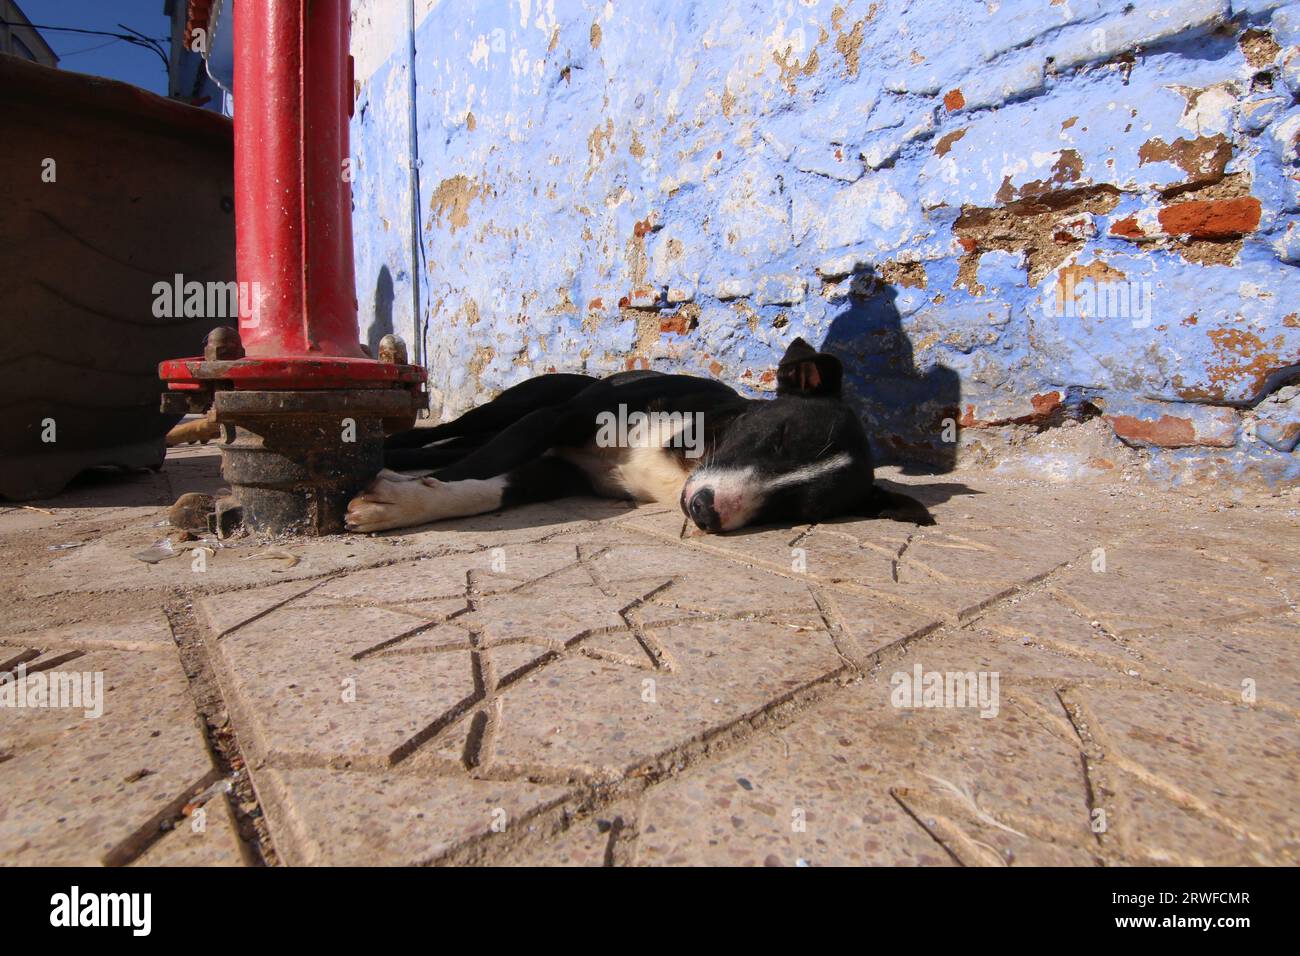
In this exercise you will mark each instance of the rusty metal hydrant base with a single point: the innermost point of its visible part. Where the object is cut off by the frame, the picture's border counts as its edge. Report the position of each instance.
(295, 458)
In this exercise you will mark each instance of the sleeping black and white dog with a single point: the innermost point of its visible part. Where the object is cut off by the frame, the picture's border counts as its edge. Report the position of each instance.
(727, 461)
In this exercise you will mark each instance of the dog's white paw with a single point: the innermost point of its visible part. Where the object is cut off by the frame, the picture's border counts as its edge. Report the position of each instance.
(390, 475)
(393, 501)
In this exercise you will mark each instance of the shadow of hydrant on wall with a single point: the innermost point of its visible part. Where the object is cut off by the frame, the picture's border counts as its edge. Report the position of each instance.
(911, 412)
(381, 323)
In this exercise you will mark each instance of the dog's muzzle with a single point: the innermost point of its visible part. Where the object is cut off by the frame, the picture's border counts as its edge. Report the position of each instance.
(700, 509)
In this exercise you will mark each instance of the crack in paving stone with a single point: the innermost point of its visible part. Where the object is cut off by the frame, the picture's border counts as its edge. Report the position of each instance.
(834, 625)
(278, 605)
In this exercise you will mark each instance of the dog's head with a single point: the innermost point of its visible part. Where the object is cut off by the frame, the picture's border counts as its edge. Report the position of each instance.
(798, 458)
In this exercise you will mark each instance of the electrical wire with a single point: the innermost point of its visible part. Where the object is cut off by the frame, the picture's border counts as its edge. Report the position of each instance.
(133, 37)
(89, 49)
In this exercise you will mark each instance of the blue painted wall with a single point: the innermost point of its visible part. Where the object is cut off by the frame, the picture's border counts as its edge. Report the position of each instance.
(1002, 215)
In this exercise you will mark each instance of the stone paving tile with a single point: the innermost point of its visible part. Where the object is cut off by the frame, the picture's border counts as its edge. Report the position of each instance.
(1150, 828)
(925, 569)
(1218, 657)
(858, 781)
(385, 819)
(700, 583)
(85, 791)
(1045, 619)
(868, 624)
(1230, 654)
(301, 680)
(286, 655)
(212, 840)
(604, 838)
(976, 648)
(781, 802)
(1143, 586)
(147, 631)
(588, 718)
(1229, 764)
(829, 790)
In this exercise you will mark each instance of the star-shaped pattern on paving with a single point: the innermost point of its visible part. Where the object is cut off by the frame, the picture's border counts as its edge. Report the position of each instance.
(429, 650)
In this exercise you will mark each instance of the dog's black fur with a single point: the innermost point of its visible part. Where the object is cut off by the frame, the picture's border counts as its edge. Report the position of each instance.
(801, 457)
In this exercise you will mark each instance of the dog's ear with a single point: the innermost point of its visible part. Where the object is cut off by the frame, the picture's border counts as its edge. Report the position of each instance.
(805, 371)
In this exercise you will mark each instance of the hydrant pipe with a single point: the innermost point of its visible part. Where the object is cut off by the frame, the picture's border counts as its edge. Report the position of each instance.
(294, 209)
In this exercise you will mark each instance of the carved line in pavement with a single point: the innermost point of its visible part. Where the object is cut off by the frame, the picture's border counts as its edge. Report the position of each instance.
(137, 843)
(1100, 752)
(723, 739)
(996, 599)
(487, 684)
(1174, 677)
(453, 716)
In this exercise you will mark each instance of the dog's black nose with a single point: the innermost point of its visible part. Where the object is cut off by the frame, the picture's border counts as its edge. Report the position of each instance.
(700, 510)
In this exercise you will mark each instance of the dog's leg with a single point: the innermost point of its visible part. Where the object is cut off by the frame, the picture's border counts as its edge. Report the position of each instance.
(395, 501)
(441, 455)
(525, 441)
(500, 413)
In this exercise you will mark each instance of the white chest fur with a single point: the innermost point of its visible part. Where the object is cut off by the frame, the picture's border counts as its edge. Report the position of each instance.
(643, 473)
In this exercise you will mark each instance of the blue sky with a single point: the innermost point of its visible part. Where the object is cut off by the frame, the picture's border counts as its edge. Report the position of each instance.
(100, 55)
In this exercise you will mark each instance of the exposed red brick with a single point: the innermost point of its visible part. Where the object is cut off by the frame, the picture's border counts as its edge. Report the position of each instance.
(1045, 403)
(680, 322)
(1127, 228)
(1211, 218)
(954, 101)
(902, 444)
(1045, 406)
(1166, 431)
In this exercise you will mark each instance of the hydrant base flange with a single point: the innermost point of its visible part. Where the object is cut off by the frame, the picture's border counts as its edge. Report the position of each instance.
(295, 458)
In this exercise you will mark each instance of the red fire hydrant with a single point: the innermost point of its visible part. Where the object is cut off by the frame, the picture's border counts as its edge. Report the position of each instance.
(305, 409)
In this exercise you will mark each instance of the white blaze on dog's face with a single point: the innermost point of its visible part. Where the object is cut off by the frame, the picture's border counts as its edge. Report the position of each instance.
(800, 458)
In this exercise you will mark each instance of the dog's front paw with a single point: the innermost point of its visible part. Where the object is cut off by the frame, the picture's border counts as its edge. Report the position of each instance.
(391, 501)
